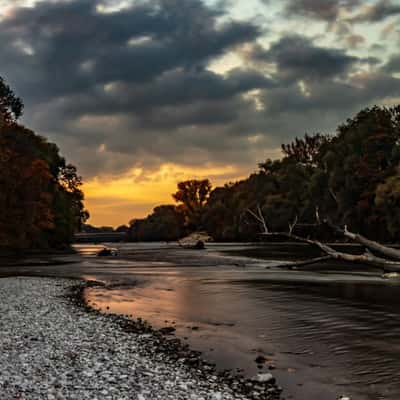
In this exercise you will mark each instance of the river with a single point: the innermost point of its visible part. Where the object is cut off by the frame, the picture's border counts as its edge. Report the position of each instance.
(323, 333)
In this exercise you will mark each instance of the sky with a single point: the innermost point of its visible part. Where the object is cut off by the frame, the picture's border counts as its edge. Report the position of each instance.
(141, 94)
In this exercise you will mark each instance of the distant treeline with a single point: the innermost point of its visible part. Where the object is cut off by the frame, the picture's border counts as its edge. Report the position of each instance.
(40, 200)
(351, 177)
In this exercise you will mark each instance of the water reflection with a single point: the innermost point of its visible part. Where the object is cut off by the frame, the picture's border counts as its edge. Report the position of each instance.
(328, 332)
(323, 341)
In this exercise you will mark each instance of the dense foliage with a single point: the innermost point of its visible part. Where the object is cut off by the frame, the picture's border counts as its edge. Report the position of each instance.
(351, 177)
(40, 200)
(166, 223)
(192, 196)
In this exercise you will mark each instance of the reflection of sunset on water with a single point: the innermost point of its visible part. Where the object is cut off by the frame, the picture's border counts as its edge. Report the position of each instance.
(156, 302)
(234, 315)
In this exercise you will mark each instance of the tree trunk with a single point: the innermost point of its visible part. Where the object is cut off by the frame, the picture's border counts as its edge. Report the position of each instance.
(372, 245)
(367, 258)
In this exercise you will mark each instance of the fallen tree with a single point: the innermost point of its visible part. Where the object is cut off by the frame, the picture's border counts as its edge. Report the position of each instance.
(375, 254)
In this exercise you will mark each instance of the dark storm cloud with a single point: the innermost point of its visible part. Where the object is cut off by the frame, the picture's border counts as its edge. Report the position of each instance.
(141, 69)
(173, 88)
(134, 85)
(393, 65)
(338, 96)
(297, 57)
(314, 85)
(79, 47)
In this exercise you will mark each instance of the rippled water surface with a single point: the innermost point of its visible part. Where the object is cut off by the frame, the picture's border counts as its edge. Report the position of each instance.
(325, 334)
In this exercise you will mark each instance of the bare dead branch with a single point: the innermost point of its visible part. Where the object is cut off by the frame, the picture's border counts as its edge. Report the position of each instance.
(297, 264)
(317, 217)
(367, 258)
(251, 212)
(376, 247)
(260, 213)
(259, 217)
(293, 224)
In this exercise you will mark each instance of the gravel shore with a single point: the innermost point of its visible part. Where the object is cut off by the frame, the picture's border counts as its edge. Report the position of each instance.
(53, 349)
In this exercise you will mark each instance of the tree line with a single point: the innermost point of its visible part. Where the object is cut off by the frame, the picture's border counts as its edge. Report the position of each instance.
(41, 204)
(350, 177)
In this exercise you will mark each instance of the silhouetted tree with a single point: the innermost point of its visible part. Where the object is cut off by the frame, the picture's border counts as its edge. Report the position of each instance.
(193, 196)
(351, 178)
(11, 106)
(166, 223)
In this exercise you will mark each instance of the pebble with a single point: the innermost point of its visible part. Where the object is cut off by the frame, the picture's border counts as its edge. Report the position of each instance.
(80, 355)
(264, 377)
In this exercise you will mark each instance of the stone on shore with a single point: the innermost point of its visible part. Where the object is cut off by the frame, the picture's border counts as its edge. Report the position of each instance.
(52, 349)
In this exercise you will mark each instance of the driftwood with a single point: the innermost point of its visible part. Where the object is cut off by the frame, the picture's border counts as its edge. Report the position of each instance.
(376, 247)
(389, 264)
(195, 241)
(296, 264)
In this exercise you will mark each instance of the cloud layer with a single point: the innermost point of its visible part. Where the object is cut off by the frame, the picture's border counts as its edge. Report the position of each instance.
(137, 85)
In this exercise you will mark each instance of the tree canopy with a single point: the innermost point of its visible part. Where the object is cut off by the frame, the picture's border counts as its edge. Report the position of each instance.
(41, 204)
(193, 196)
(165, 223)
(11, 106)
(351, 177)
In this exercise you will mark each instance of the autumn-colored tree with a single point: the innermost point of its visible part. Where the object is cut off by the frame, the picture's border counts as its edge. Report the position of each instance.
(40, 200)
(363, 155)
(351, 177)
(25, 201)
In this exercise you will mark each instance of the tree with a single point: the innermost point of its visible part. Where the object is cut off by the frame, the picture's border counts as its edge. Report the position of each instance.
(41, 204)
(11, 106)
(307, 150)
(350, 178)
(363, 154)
(165, 223)
(25, 199)
(193, 196)
(375, 254)
(387, 201)
(68, 206)
(122, 229)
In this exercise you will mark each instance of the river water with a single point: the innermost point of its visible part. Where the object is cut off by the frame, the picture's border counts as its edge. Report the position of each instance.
(324, 332)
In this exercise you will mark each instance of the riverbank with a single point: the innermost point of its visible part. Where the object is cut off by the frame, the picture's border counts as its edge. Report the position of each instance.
(324, 333)
(53, 347)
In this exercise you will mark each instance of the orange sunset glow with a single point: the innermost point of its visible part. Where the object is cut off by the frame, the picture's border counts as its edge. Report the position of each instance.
(202, 89)
(200, 199)
(115, 200)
